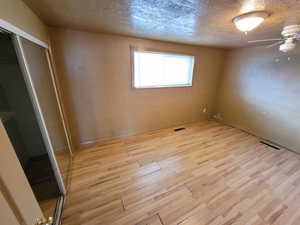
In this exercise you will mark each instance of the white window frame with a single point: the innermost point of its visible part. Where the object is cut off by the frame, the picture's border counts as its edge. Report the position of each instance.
(160, 52)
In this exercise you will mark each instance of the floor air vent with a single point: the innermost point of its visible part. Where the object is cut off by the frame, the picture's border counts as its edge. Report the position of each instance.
(179, 129)
(270, 145)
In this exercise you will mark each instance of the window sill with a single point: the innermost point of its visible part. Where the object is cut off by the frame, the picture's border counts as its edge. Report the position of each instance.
(164, 86)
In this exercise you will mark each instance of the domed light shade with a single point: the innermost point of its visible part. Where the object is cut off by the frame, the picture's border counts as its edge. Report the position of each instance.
(248, 21)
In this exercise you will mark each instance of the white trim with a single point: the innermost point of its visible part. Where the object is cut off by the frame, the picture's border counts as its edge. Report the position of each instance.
(58, 102)
(26, 74)
(164, 86)
(11, 28)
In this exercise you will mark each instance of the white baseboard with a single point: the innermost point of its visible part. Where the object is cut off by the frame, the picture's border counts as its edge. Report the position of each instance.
(254, 134)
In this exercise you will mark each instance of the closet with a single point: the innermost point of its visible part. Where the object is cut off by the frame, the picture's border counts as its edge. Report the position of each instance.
(31, 114)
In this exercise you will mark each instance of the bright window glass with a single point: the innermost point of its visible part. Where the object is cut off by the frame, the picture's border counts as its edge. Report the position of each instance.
(155, 69)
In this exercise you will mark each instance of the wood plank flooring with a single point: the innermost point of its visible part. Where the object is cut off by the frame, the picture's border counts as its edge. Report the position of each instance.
(207, 174)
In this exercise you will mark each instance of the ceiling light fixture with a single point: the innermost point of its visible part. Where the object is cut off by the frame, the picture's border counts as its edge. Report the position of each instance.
(248, 21)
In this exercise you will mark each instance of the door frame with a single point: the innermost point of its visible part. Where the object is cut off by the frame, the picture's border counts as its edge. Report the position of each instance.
(16, 34)
(6, 26)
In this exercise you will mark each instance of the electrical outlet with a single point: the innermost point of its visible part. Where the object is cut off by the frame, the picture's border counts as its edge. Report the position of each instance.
(218, 116)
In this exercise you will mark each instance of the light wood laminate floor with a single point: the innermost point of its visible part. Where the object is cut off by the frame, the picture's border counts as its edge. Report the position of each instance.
(207, 174)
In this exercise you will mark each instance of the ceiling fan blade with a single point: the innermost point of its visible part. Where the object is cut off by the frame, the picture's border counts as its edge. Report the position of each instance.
(266, 40)
(275, 44)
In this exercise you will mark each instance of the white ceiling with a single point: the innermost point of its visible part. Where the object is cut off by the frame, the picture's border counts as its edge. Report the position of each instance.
(202, 22)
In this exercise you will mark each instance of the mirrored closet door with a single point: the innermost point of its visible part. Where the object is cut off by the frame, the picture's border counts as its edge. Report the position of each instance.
(31, 115)
(38, 66)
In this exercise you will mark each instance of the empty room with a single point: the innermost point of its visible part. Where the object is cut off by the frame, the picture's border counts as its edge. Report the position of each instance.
(149, 112)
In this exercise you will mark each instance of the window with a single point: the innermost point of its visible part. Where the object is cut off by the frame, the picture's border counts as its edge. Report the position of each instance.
(155, 69)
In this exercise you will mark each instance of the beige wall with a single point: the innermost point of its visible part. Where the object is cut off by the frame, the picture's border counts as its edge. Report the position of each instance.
(95, 71)
(17, 13)
(260, 92)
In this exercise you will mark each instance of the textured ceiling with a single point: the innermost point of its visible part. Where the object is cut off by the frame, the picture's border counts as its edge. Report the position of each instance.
(203, 22)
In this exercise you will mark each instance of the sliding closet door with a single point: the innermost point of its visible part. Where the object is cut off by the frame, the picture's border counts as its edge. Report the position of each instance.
(41, 79)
